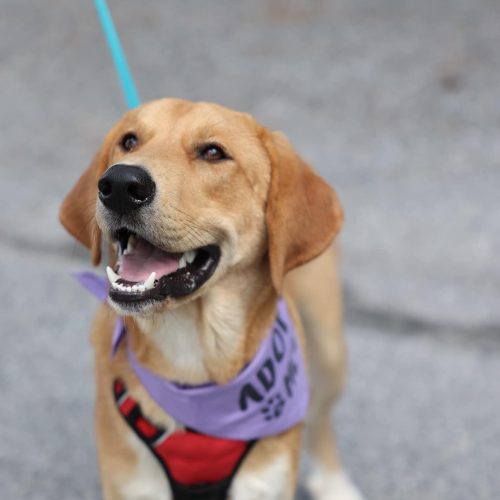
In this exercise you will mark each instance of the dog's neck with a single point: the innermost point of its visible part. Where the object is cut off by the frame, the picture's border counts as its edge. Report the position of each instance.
(212, 337)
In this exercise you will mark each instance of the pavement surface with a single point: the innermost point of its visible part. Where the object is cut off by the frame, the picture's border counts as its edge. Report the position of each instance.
(397, 104)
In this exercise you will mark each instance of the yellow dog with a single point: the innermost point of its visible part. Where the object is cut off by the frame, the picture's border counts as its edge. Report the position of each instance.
(208, 218)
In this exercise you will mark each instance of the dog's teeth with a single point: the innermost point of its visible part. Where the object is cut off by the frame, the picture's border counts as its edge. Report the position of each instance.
(150, 282)
(182, 261)
(130, 243)
(141, 288)
(112, 276)
(135, 288)
(190, 256)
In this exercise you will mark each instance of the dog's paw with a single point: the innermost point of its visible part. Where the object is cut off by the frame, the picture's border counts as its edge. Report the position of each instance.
(327, 485)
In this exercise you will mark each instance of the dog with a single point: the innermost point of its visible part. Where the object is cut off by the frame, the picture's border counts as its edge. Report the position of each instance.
(208, 219)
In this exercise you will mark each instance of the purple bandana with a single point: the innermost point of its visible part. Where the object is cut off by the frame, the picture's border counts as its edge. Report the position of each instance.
(269, 396)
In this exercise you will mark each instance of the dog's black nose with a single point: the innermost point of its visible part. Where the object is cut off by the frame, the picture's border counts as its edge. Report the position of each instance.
(124, 188)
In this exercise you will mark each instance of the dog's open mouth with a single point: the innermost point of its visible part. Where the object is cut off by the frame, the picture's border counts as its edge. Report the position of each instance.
(147, 273)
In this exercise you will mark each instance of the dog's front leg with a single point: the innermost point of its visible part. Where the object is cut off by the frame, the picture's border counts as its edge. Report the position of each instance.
(270, 482)
(270, 470)
(140, 479)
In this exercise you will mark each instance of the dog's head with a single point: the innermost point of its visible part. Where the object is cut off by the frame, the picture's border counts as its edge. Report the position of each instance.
(189, 193)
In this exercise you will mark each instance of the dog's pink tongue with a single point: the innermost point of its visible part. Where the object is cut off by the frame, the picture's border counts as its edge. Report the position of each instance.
(144, 259)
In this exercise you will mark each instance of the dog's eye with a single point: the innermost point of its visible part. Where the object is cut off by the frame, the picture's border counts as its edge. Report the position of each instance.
(129, 141)
(212, 153)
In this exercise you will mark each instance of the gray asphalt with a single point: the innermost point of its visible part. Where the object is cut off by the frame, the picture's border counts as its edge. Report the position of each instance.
(396, 103)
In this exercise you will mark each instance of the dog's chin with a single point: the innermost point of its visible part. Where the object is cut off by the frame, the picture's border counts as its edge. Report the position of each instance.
(148, 279)
(142, 309)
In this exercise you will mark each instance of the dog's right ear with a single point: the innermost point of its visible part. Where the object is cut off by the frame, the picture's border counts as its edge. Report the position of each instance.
(77, 212)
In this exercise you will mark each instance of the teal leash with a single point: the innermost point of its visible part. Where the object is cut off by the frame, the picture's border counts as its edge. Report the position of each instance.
(119, 58)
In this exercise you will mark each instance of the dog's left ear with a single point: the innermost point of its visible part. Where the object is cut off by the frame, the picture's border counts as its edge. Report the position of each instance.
(77, 212)
(303, 213)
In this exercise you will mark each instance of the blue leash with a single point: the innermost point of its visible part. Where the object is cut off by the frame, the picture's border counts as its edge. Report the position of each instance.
(119, 58)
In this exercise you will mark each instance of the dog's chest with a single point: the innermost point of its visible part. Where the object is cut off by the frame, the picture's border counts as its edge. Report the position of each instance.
(199, 343)
(176, 335)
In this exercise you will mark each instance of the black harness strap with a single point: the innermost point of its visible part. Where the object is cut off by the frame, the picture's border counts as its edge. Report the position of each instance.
(151, 434)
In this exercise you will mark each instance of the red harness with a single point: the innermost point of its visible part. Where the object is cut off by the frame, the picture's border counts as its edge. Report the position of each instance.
(197, 466)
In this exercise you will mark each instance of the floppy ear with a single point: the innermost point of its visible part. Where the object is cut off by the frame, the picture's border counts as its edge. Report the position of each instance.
(77, 212)
(303, 213)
